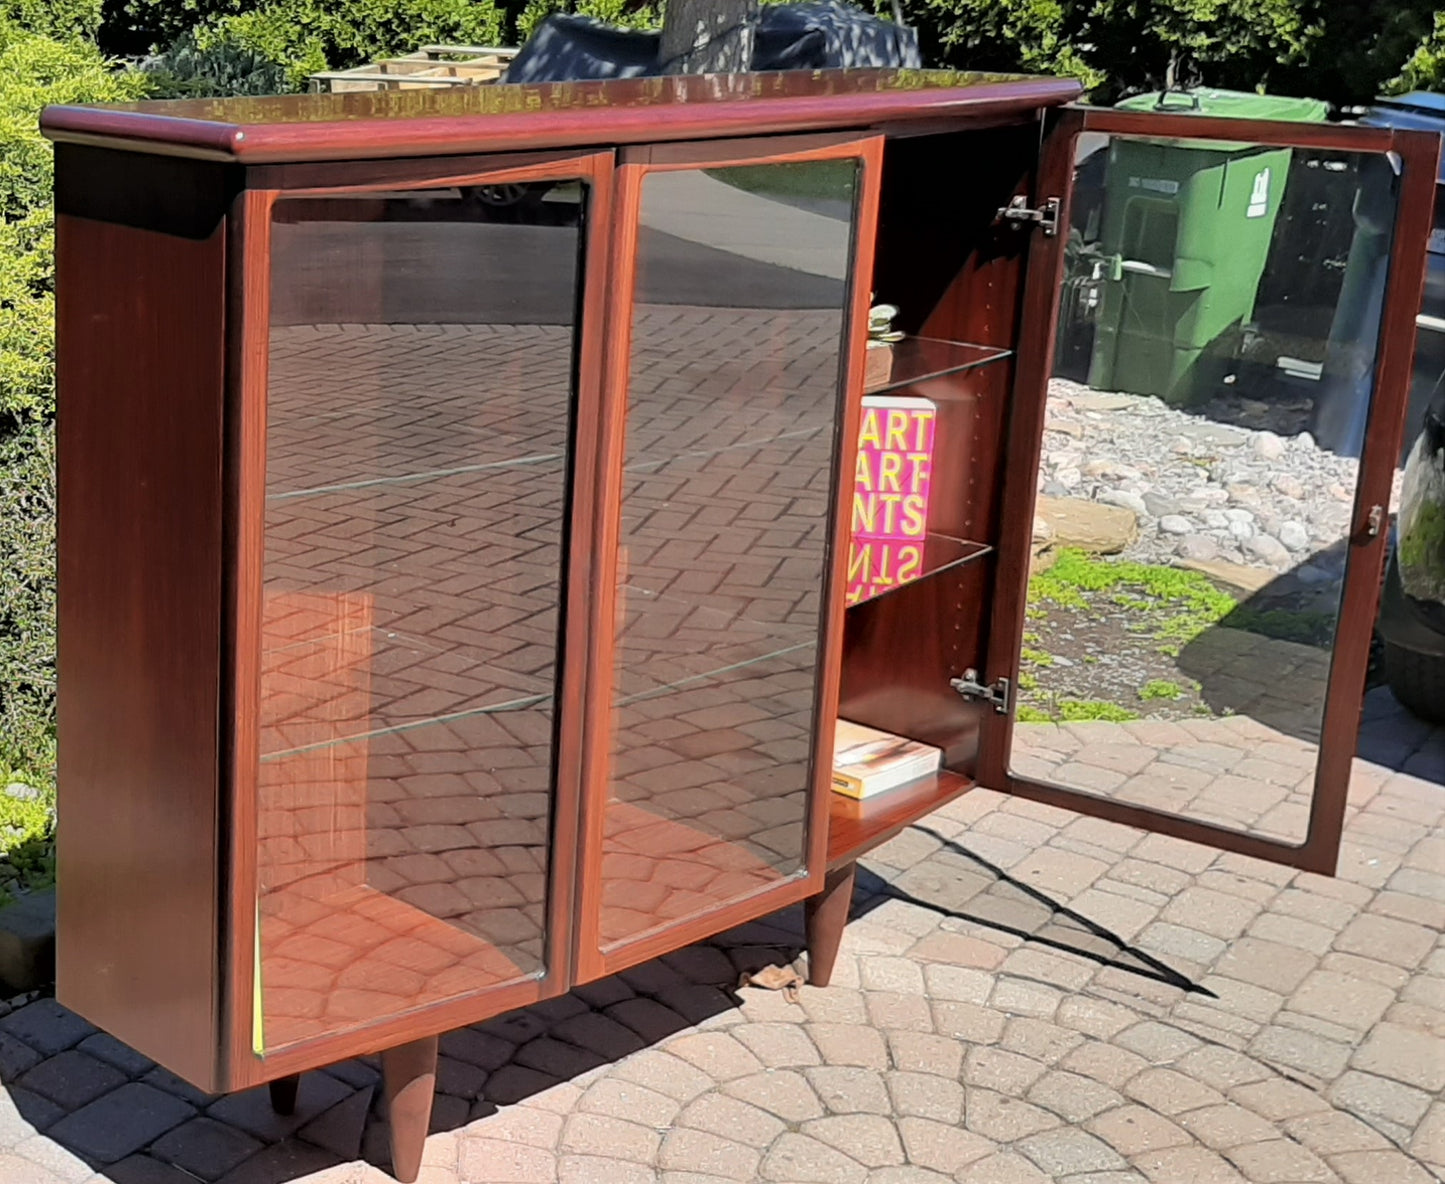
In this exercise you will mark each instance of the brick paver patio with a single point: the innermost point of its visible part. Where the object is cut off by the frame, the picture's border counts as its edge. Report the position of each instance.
(1023, 995)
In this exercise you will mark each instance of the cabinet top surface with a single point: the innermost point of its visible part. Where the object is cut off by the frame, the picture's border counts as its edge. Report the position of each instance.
(502, 116)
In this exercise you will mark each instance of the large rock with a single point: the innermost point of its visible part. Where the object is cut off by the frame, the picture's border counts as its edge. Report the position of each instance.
(1236, 577)
(1089, 526)
(1102, 401)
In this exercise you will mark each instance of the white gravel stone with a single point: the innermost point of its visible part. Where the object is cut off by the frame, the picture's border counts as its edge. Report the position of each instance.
(1123, 497)
(1268, 549)
(1269, 446)
(1294, 536)
(1199, 547)
(1248, 494)
(1289, 485)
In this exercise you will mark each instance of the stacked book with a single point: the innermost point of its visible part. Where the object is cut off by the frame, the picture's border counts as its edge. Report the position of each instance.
(867, 761)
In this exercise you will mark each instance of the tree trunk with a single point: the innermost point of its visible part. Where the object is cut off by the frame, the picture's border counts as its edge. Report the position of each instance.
(707, 36)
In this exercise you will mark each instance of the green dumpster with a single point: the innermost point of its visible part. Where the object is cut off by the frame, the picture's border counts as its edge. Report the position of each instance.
(1185, 234)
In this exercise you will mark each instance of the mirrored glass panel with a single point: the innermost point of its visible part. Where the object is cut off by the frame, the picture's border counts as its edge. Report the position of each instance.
(733, 404)
(420, 399)
(1213, 375)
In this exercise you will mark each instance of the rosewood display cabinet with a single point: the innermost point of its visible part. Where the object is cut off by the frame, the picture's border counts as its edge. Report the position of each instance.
(455, 495)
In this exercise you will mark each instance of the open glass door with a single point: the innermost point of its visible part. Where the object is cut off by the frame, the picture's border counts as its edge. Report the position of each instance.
(1188, 575)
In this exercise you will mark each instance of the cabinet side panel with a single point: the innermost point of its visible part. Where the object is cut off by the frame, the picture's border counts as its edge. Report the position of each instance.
(140, 323)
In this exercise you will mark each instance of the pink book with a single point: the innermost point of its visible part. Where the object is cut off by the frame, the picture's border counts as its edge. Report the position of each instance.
(890, 494)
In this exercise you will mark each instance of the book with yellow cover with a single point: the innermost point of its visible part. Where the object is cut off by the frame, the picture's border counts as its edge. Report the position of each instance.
(867, 761)
(890, 494)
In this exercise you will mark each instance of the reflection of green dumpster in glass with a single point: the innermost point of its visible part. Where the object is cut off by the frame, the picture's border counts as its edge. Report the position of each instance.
(1185, 235)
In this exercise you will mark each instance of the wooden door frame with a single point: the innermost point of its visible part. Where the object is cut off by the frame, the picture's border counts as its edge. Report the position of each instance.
(1418, 155)
(248, 310)
(591, 960)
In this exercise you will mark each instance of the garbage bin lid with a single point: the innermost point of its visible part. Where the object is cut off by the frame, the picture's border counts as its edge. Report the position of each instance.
(1229, 104)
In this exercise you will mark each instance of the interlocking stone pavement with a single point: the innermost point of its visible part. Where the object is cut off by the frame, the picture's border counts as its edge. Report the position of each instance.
(1023, 995)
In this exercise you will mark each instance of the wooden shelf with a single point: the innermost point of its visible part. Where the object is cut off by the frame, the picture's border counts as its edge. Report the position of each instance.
(940, 553)
(917, 359)
(858, 826)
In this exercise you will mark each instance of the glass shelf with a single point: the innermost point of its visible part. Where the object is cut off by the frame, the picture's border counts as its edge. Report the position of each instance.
(940, 553)
(917, 359)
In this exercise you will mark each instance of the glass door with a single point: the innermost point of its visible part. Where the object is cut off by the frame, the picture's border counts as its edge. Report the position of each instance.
(416, 593)
(1191, 563)
(741, 289)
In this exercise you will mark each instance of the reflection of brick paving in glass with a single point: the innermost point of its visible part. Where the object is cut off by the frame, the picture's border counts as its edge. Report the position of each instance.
(724, 541)
(416, 485)
(1251, 770)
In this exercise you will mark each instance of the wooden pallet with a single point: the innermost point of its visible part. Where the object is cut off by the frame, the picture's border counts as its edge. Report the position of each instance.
(430, 67)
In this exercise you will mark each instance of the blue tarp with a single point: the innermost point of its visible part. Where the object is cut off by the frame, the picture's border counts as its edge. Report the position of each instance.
(819, 35)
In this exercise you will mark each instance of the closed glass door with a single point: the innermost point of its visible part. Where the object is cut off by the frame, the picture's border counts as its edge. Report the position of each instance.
(742, 337)
(422, 403)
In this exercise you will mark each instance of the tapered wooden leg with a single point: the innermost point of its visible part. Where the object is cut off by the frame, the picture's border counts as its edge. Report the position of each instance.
(409, 1076)
(824, 916)
(283, 1094)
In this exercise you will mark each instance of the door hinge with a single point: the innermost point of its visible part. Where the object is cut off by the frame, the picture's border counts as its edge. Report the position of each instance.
(970, 688)
(1020, 213)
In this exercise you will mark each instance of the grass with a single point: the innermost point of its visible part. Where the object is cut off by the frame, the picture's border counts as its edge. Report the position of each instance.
(1167, 607)
(1082, 710)
(1075, 711)
(1195, 603)
(1160, 688)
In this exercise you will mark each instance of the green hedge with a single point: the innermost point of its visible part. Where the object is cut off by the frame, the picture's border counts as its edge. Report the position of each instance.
(34, 70)
(27, 600)
(295, 38)
(62, 19)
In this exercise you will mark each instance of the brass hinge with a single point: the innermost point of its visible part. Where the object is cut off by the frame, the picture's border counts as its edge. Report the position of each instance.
(970, 688)
(1020, 213)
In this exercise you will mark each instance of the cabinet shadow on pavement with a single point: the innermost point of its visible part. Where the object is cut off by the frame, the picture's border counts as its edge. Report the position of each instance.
(134, 1123)
(964, 886)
